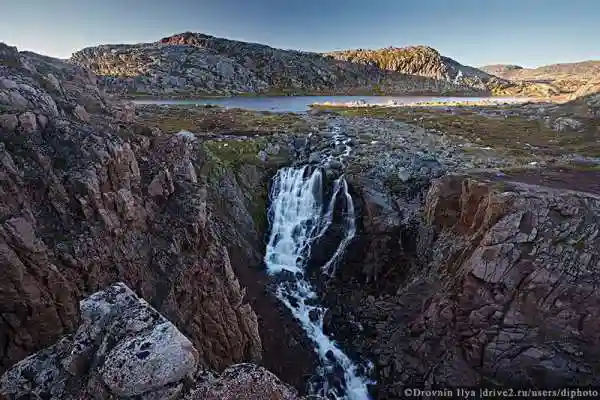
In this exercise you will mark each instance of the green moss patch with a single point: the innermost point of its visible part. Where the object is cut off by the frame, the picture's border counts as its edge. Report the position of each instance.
(217, 120)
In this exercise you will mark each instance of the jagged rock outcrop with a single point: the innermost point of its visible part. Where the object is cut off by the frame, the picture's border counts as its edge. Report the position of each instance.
(495, 285)
(190, 64)
(89, 198)
(422, 61)
(125, 349)
(521, 299)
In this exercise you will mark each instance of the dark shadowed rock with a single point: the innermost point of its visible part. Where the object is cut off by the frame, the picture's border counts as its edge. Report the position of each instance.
(85, 202)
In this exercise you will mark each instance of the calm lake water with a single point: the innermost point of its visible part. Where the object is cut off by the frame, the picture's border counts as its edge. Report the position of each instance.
(300, 103)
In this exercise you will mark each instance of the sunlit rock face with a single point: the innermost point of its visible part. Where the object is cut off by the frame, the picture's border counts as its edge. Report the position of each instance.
(193, 63)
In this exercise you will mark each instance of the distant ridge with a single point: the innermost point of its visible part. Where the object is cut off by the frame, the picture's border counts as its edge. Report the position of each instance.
(567, 78)
(192, 64)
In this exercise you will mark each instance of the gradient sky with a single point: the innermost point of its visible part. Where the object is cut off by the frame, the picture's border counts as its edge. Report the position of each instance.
(474, 32)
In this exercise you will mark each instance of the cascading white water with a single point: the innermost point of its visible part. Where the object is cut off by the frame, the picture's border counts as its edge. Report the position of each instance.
(299, 217)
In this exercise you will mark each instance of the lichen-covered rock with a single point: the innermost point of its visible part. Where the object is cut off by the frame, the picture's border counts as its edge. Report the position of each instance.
(149, 361)
(28, 122)
(243, 382)
(122, 342)
(125, 349)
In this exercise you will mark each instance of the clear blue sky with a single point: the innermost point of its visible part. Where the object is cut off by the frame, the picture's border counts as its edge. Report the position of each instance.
(474, 32)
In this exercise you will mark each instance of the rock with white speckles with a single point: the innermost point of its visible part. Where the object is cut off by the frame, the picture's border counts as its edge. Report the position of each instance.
(123, 347)
(149, 361)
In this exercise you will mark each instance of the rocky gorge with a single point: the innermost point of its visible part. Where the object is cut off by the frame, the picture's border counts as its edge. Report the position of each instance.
(468, 253)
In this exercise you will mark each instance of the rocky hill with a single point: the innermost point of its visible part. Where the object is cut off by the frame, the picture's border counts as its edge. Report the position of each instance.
(499, 69)
(195, 64)
(420, 61)
(566, 77)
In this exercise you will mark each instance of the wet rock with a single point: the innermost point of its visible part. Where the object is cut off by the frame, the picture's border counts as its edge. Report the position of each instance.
(314, 315)
(334, 165)
(315, 158)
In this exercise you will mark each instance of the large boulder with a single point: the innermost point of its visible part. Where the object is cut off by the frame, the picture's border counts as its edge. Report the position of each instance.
(122, 347)
(125, 349)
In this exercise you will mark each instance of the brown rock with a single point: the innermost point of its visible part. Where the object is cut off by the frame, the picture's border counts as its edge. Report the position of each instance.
(83, 219)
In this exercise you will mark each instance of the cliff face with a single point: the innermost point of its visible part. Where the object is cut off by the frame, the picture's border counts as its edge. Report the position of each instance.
(87, 201)
(521, 304)
(195, 64)
(453, 280)
(492, 281)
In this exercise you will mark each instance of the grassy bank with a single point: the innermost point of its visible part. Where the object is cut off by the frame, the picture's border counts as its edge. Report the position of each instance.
(515, 134)
(217, 120)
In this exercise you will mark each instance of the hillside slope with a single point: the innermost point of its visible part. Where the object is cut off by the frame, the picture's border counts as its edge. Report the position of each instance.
(418, 60)
(566, 77)
(196, 64)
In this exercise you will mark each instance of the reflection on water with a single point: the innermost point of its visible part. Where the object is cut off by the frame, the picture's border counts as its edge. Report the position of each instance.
(301, 103)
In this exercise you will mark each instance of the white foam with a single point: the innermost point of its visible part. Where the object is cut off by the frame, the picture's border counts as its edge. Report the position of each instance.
(297, 220)
(186, 134)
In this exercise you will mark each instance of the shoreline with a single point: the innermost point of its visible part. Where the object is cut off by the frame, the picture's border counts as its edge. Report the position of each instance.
(187, 97)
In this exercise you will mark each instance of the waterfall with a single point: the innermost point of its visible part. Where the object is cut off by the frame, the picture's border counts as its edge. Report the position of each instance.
(300, 217)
